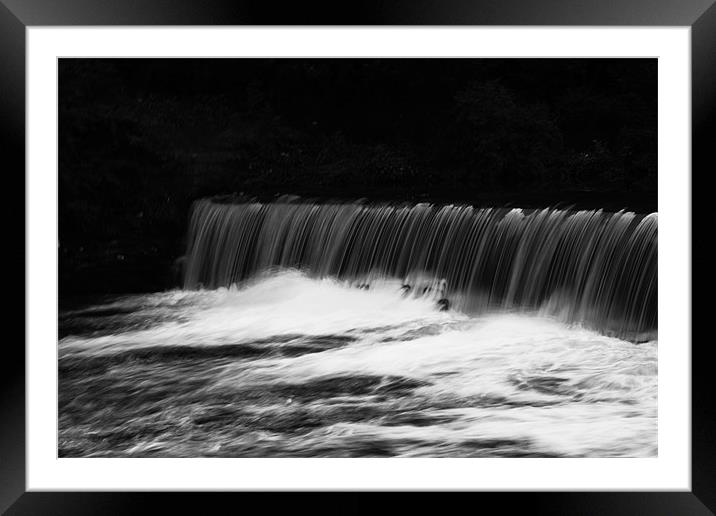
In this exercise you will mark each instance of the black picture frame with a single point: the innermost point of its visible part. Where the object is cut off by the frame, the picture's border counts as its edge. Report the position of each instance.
(17, 15)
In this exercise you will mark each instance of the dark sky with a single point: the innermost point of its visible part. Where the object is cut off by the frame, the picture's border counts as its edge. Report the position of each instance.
(388, 100)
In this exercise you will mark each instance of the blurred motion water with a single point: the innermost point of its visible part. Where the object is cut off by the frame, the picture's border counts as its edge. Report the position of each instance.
(591, 267)
(290, 364)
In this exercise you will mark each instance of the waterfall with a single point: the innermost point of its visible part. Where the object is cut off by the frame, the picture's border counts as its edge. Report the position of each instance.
(589, 267)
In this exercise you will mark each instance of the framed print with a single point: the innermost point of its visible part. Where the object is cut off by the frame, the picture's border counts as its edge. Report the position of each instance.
(410, 250)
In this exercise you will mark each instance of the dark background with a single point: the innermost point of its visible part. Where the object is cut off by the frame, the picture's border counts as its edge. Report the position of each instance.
(140, 139)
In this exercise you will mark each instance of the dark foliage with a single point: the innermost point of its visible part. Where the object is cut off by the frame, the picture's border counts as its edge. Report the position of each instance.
(141, 139)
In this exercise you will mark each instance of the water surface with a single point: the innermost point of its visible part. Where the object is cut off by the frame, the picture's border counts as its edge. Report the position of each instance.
(290, 365)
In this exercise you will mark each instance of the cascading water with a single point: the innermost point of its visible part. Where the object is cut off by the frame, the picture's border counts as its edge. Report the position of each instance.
(547, 349)
(585, 266)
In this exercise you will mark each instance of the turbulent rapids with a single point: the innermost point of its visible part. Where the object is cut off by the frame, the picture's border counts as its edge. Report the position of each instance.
(586, 266)
(315, 330)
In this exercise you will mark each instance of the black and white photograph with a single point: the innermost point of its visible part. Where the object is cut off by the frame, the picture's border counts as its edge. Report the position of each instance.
(357, 257)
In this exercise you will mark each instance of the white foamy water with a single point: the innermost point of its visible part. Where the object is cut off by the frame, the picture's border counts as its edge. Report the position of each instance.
(294, 366)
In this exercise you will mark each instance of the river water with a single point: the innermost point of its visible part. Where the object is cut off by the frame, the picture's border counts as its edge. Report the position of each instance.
(288, 364)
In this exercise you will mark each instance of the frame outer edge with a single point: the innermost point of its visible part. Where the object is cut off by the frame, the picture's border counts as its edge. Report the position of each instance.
(12, 133)
(12, 138)
(364, 12)
(703, 112)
